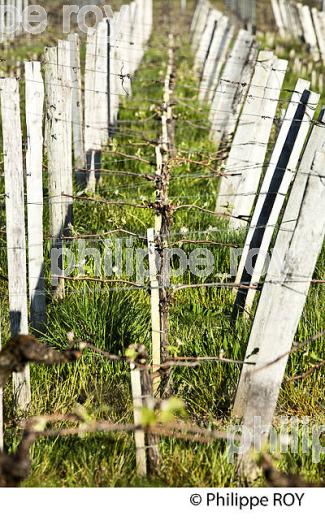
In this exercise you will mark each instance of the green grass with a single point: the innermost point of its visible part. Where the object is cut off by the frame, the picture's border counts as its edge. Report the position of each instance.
(200, 319)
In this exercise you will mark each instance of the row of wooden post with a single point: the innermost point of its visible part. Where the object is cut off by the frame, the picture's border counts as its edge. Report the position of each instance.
(12, 13)
(147, 454)
(63, 136)
(296, 20)
(287, 194)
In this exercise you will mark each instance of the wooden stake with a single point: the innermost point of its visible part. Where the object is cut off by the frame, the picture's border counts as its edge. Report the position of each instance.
(167, 149)
(163, 216)
(282, 301)
(223, 107)
(319, 31)
(101, 83)
(315, 143)
(77, 110)
(278, 17)
(168, 136)
(116, 70)
(196, 15)
(15, 225)
(122, 33)
(275, 186)
(90, 65)
(147, 457)
(92, 140)
(200, 25)
(151, 440)
(155, 313)
(214, 56)
(309, 31)
(246, 158)
(34, 170)
(159, 174)
(54, 139)
(206, 40)
(223, 56)
(65, 115)
(240, 96)
(139, 435)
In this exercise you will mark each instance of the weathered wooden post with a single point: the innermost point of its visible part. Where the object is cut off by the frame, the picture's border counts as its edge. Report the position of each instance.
(92, 140)
(278, 17)
(240, 95)
(132, 37)
(101, 82)
(309, 31)
(15, 225)
(158, 181)
(200, 24)
(123, 35)
(273, 192)
(139, 435)
(148, 19)
(115, 69)
(319, 30)
(167, 150)
(215, 58)
(297, 28)
(78, 140)
(59, 151)
(64, 76)
(284, 17)
(52, 140)
(206, 40)
(282, 300)
(245, 162)
(120, 41)
(155, 312)
(316, 143)
(222, 106)
(196, 15)
(98, 104)
(34, 182)
(226, 43)
(147, 457)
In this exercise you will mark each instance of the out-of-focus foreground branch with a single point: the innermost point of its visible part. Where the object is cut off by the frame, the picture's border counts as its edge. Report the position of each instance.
(21, 350)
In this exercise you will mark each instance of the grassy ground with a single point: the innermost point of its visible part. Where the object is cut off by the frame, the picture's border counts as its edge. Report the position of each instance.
(200, 319)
